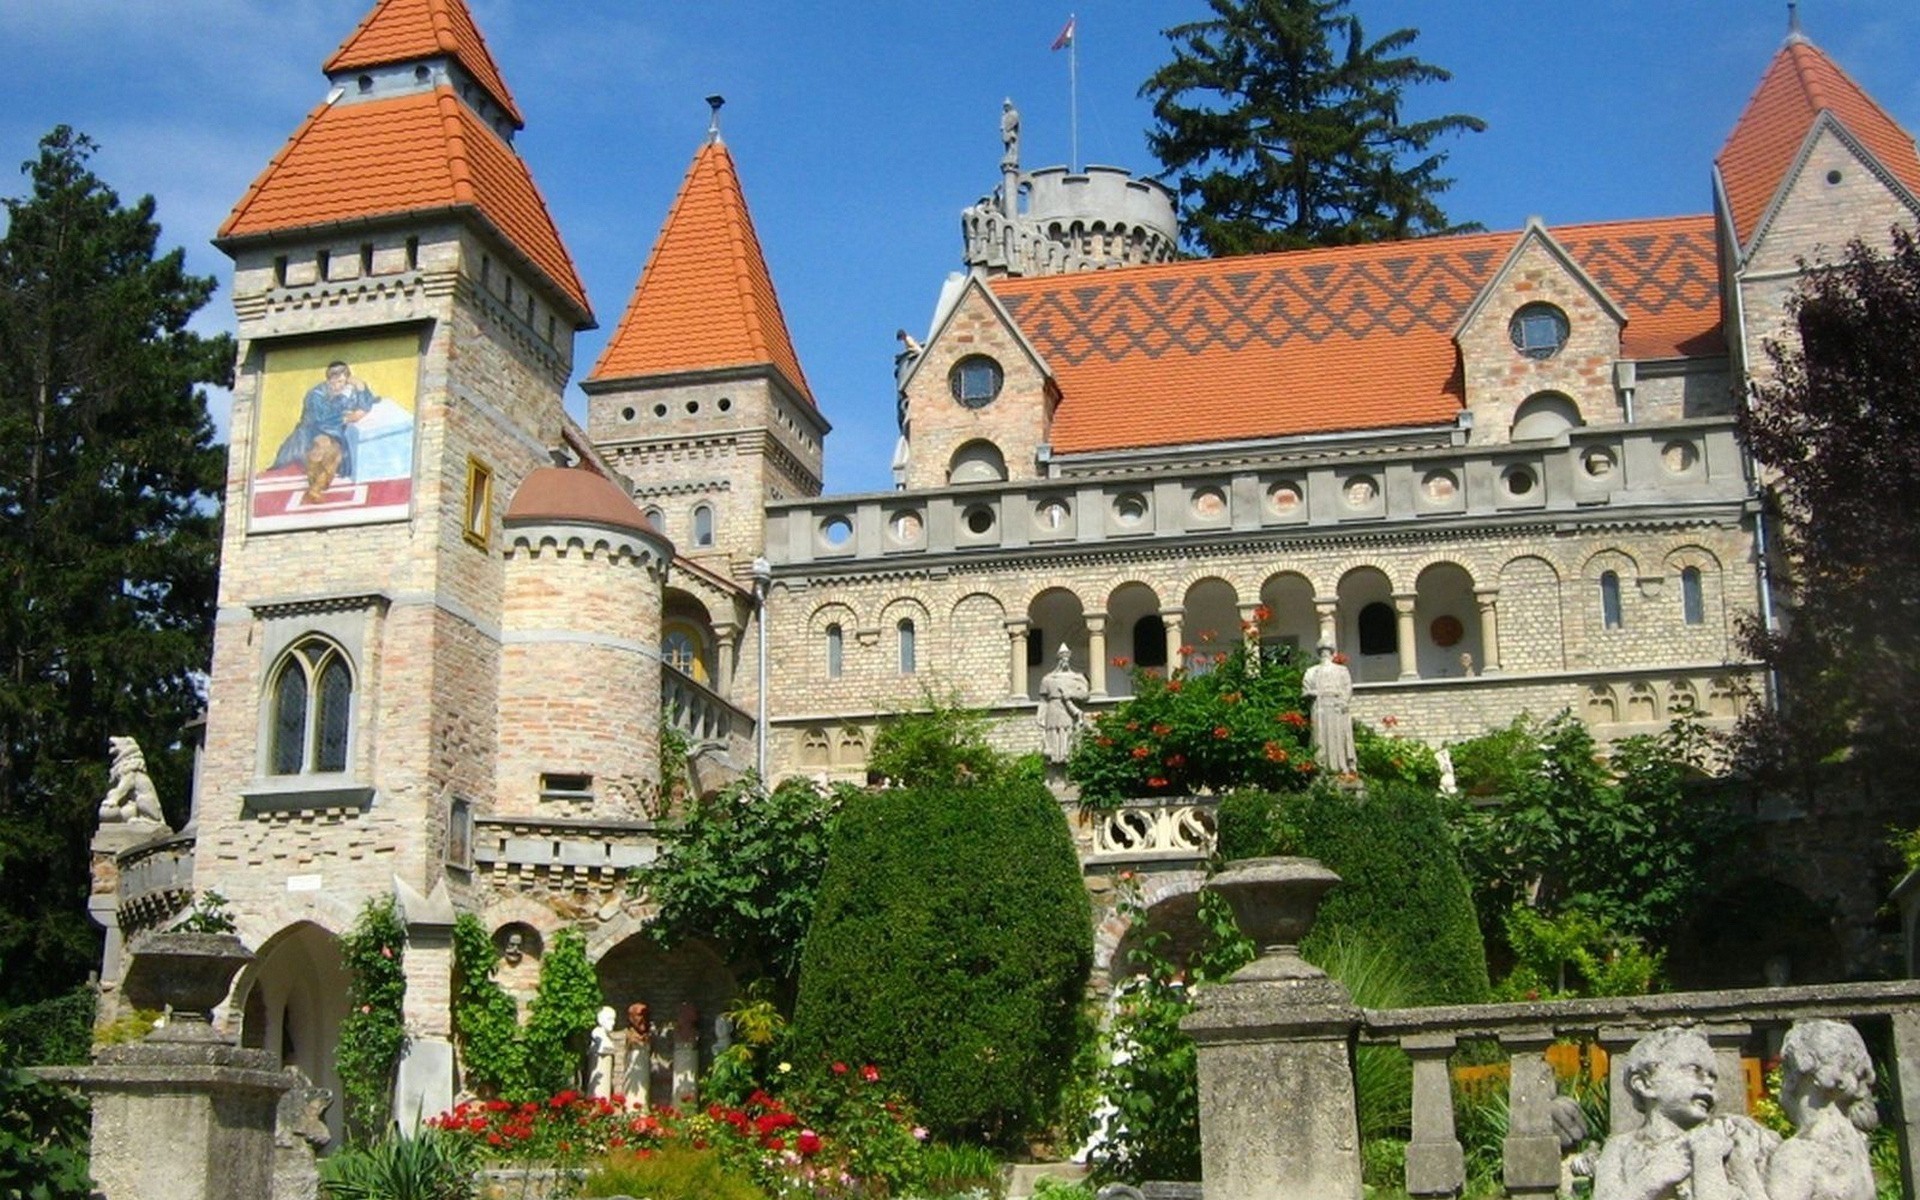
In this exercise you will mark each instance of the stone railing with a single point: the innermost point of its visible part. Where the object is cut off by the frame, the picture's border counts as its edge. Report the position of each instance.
(1151, 830)
(155, 880)
(701, 714)
(582, 853)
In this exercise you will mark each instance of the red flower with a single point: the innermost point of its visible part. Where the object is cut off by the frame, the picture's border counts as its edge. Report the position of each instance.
(870, 1073)
(1185, 650)
(839, 1068)
(1275, 752)
(1176, 760)
(1297, 720)
(1156, 782)
(1141, 751)
(1162, 729)
(808, 1142)
(1103, 741)
(1262, 613)
(1119, 660)
(1173, 685)
(1340, 658)
(1221, 731)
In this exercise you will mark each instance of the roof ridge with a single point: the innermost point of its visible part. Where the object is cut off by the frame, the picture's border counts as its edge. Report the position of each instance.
(648, 268)
(459, 168)
(238, 211)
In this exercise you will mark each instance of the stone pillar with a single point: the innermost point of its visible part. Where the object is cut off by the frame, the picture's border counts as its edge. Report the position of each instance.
(1436, 1165)
(110, 841)
(423, 1083)
(1730, 1083)
(1097, 653)
(1531, 1149)
(1017, 659)
(1277, 1109)
(1172, 618)
(1407, 635)
(1489, 629)
(1906, 1087)
(726, 658)
(1624, 1116)
(1250, 624)
(1327, 608)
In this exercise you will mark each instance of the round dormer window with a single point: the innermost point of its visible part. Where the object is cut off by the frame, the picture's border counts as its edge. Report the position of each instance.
(975, 380)
(1538, 330)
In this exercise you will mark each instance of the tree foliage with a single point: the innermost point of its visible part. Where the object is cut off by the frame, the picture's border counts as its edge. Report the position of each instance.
(108, 536)
(493, 1056)
(1836, 430)
(1281, 125)
(565, 1004)
(951, 947)
(741, 870)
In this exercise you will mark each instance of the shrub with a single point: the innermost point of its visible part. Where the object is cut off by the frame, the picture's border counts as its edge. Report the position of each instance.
(954, 1170)
(372, 1036)
(43, 1138)
(493, 1055)
(1400, 882)
(941, 745)
(56, 1032)
(564, 1008)
(428, 1166)
(670, 1173)
(951, 945)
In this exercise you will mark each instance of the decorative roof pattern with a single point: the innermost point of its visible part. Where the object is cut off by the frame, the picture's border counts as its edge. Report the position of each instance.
(1354, 337)
(706, 299)
(413, 153)
(1799, 85)
(398, 31)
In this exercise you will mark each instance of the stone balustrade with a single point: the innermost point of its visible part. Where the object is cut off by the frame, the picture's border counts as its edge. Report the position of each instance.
(1149, 830)
(703, 716)
(572, 852)
(155, 880)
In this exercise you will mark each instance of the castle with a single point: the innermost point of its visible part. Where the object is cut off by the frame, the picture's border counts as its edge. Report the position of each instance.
(1497, 470)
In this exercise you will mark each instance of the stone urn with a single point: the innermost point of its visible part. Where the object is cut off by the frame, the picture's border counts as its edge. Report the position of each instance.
(188, 974)
(1274, 901)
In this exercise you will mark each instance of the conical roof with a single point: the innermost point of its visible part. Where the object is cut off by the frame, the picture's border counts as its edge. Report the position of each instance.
(399, 31)
(1799, 85)
(705, 299)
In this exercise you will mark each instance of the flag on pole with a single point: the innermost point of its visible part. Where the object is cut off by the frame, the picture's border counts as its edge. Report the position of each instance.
(1066, 37)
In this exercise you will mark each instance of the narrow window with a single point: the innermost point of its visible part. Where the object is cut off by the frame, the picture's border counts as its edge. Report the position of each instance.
(836, 644)
(906, 647)
(280, 271)
(366, 259)
(1150, 641)
(1610, 617)
(702, 525)
(1379, 630)
(323, 262)
(1036, 647)
(1693, 600)
(311, 718)
(479, 508)
(413, 254)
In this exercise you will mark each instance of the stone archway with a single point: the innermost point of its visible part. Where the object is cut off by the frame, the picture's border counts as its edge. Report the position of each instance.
(638, 968)
(293, 998)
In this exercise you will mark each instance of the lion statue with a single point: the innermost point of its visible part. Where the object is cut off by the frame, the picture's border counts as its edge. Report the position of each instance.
(131, 797)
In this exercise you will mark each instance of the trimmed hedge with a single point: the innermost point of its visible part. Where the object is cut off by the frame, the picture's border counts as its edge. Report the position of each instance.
(1401, 879)
(951, 947)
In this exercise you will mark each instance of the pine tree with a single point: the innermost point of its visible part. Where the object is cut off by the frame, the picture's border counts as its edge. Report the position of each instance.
(108, 537)
(1280, 124)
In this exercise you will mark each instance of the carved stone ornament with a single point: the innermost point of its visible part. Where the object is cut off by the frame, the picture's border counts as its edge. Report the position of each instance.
(131, 798)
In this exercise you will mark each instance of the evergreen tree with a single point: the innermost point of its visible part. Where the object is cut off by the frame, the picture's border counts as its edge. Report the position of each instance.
(1280, 123)
(108, 537)
(1835, 429)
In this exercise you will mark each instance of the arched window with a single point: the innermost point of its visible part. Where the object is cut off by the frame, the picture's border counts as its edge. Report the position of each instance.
(977, 462)
(1379, 629)
(1693, 600)
(656, 518)
(1545, 415)
(311, 710)
(684, 650)
(1610, 616)
(906, 646)
(836, 647)
(1150, 641)
(703, 525)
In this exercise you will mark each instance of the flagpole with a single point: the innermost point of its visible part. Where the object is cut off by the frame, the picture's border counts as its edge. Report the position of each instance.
(1073, 92)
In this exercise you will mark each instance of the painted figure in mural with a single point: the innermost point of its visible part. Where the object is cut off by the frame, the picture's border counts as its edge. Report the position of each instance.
(1331, 688)
(1009, 136)
(1683, 1151)
(319, 443)
(600, 1081)
(1826, 1086)
(637, 1079)
(1061, 692)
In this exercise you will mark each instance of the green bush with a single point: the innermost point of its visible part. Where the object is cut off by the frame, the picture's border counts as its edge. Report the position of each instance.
(1400, 882)
(951, 946)
(956, 1170)
(670, 1173)
(493, 1055)
(373, 1035)
(429, 1166)
(565, 1005)
(56, 1032)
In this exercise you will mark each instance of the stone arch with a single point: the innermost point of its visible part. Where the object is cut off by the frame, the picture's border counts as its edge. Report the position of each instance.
(850, 748)
(1544, 416)
(975, 654)
(1446, 622)
(1133, 614)
(1609, 576)
(1603, 705)
(977, 461)
(1211, 624)
(1169, 902)
(1643, 703)
(687, 640)
(1292, 620)
(906, 630)
(1532, 636)
(1682, 698)
(1724, 698)
(1056, 617)
(692, 973)
(816, 749)
(830, 630)
(1372, 652)
(1699, 588)
(292, 998)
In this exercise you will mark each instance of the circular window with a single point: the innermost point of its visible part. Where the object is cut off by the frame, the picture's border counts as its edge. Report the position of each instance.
(1834, 176)
(1440, 486)
(905, 526)
(1053, 514)
(1679, 457)
(979, 519)
(975, 380)
(1209, 503)
(1599, 464)
(659, 410)
(693, 406)
(1447, 631)
(837, 531)
(626, 414)
(1538, 330)
(1284, 497)
(1130, 509)
(1519, 481)
(1361, 491)
(726, 404)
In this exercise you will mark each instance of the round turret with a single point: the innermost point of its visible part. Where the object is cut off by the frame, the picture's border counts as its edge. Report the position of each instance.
(1065, 221)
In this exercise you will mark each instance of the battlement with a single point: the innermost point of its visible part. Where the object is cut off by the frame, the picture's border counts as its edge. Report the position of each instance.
(1066, 221)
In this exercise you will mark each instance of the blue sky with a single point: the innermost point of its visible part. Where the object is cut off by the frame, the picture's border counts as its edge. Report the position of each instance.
(861, 128)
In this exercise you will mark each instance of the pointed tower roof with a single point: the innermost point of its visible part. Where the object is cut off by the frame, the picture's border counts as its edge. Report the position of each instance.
(1801, 85)
(705, 299)
(398, 31)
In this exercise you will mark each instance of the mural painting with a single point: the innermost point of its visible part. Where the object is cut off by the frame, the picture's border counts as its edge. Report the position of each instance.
(334, 442)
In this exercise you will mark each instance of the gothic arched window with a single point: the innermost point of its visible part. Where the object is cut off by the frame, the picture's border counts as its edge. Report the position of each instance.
(907, 648)
(1693, 600)
(310, 710)
(836, 650)
(1610, 614)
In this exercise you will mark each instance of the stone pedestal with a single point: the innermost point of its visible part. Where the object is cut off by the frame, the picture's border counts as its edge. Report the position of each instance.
(1277, 1109)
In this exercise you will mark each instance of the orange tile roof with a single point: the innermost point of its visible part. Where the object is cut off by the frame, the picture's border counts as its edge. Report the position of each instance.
(575, 494)
(398, 31)
(415, 153)
(705, 299)
(1800, 84)
(1354, 337)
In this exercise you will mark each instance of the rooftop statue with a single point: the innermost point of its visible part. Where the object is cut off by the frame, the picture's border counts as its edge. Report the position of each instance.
(131, 798)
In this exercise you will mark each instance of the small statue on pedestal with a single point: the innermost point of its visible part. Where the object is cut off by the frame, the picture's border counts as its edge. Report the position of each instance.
(1062, 691)
(131, 798)
(637, 1080)
(602, 1047)
(1330, 685)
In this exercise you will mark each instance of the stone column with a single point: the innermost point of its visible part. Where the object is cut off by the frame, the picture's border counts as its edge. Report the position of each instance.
(1172, 618)
(726, 658)
(1624, 1116)
(1906, 1086)
(1436, 1165)
(1277, 1109)
(1017, 658)
(1409, 651)
(1327, 608)
(1730, 1083)
(1097, 653)
(423, 1084)
(1531, 1149)
(1250, 624)
(1489, 629)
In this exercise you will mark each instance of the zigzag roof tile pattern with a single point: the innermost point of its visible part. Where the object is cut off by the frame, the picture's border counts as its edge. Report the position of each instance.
(1799, 85)
(705, 299)
(416, 153)
(1354, 337)
(398, 31)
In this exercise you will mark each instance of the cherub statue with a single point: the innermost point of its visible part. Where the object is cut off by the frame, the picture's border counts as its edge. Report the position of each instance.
(1683, 1151)
(130, 797)
(1826, 1086)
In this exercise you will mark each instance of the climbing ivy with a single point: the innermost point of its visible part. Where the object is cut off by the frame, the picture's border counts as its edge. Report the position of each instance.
(563, 1011)
(373, 1035)
(493, 1054)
